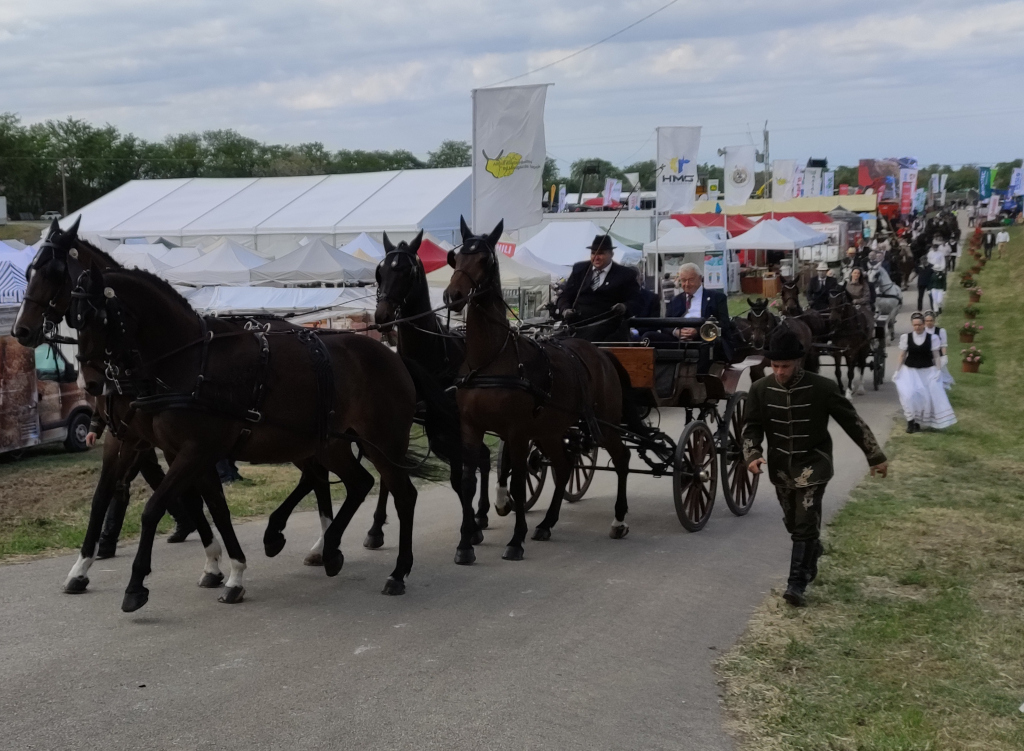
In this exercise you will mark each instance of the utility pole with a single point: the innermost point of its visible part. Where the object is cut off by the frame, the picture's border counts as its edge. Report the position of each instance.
(64, 184)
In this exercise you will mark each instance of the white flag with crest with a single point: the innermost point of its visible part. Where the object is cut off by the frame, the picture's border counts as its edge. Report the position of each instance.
(677, 168)
(508, 156)
(783, 179)
(739, 174)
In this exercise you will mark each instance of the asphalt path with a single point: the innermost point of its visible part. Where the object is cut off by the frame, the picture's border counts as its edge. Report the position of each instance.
(589, 643)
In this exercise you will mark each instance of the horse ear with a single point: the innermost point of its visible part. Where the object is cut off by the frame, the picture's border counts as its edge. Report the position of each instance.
(388, 245)
(749, 304)
(496, 234)
(54, 228)
(74, 227)
(415, 244)
(451, 258)
(464, 228)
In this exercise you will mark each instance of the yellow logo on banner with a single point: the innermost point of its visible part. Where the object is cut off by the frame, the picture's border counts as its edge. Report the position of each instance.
(502, 166)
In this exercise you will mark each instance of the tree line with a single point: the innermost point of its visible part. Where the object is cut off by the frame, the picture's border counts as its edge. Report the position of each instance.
(43, 162)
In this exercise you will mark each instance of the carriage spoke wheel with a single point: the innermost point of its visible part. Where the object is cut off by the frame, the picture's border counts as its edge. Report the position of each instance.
(581, 475)
(738, 484)
(695, 476)
(536, 472)
(878, 364)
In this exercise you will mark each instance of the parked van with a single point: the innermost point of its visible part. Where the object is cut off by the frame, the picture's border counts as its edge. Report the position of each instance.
(40, 399)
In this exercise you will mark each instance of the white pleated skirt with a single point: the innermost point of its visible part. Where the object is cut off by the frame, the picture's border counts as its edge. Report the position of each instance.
(923, 397)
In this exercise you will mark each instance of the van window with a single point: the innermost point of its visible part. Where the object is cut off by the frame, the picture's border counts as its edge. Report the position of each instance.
(51, 365)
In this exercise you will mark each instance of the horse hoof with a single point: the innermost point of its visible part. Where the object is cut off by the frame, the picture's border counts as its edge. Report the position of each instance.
(617, 533)
(134, 600)
(478, 538)
(502, 510)
(313, 559)
(465, 556)
(211, 581)
(373, 541)
(273, 544)
(481, 521)
(333, 563)
(76, 585)
(105, 552)
(513, 553)
(393, 587)
(542, 533)
(232, 595)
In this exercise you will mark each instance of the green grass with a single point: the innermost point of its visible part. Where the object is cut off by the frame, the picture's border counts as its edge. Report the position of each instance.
(914, 636)
(27, 233)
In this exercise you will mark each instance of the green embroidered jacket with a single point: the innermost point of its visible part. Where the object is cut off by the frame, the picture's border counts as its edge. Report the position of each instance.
(794, 418)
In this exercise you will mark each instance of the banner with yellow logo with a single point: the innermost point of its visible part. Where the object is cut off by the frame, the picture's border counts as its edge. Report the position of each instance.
(508, 156)
(783, 179)
(677, 168)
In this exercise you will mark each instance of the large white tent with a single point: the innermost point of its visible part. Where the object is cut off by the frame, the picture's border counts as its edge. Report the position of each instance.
(316, 261)
(225, 262)
(271, 214)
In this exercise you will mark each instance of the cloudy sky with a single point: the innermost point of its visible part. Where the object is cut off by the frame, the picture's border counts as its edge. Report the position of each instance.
(942, 80)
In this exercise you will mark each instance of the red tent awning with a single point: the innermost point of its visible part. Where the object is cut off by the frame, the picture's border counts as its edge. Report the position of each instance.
(599, 203)
(807, 217)
(433, 256)
(736, 224)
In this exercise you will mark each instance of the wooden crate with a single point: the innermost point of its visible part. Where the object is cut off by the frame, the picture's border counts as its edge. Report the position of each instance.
(638, 362)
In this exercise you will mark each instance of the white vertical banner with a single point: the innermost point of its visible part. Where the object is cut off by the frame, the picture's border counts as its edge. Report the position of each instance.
(812, 182)
(677, 168)
(561, 198)
(993, 207)
(739, 174)
(606, 194)
(828, 183)
(798, 181)
(783, 172)
(508, 156)
(1016, 183)
(942, 182)
(617, 191)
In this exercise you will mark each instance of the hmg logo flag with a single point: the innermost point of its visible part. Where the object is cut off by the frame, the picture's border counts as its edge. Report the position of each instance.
(508, 156)
(677, 168)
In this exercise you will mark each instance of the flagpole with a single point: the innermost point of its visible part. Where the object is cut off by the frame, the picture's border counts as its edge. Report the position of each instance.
(472, 179)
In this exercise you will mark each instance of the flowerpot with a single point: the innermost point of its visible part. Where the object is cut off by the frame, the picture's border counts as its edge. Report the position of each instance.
(975, 297)
(970, 315)
(971, 367)
(975, 268)
(966, 338)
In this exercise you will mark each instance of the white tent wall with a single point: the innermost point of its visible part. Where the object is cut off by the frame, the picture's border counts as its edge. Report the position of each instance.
(106, 212)
(170, 215)
(443, 221)
(636, 227)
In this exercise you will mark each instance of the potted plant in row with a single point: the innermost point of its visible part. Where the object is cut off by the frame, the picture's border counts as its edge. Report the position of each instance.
(975, 294)
(967, 279)
(969, 330)
(971, 311)
(971, 359)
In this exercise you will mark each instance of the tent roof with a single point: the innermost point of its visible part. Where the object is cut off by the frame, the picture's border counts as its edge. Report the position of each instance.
(19, 258)
(683, 239)
(801, 231)
(807, 217)
(371, 249)
(12, 283)
(735, 223)
(316, 261)
(512, 275)
(432, 256)
(323, 204)
(140, 260)
(765, 235)
(224, 262)
(564, 243)
(180, 256)
(277, 300)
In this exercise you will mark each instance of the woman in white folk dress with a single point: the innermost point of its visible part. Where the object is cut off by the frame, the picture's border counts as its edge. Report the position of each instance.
(918, 380)
(931, 328)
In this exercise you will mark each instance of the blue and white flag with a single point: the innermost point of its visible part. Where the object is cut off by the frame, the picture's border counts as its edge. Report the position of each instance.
(677, 168)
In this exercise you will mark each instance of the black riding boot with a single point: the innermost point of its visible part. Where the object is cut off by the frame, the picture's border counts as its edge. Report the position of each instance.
(797, 583)
(911, 426)
(183, 524)
(814, 551)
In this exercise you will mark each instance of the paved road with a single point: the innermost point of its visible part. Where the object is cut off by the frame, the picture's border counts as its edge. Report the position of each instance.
(590, 643)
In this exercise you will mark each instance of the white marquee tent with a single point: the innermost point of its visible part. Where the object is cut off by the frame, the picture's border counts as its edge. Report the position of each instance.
(225, 262)
(316, 261)
(19, 258)
(279, 301)
(12, 283)
(271, 214)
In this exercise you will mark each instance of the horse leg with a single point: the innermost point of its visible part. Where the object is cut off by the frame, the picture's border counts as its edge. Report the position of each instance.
(469, 532)
(375, 535)
(502, 501)
(620, 460)
(192, 502)
(113, 467)
(837, 358)
(484, 504)
(322, 490)
(212, 491)
(554, 449)
(358, 483)
(114, 519)
(518, 451)
(273, 537)
(401, 486)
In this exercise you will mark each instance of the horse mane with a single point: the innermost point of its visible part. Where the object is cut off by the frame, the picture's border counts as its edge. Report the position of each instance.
(106, 257)
(161, 284)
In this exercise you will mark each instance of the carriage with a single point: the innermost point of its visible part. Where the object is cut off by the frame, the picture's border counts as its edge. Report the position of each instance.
(877, 352)
(710, 444)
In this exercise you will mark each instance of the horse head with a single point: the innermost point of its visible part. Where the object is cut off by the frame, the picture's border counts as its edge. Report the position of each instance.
(791, 297)
(476, 266)
(50, 279)
(88, 314)
(399, 276)
(762, 322)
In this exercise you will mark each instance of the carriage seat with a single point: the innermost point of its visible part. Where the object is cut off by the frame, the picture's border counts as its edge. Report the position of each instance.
(749, 362)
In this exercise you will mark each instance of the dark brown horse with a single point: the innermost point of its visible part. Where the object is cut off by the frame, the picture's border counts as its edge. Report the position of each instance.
(763, 324)
(851, 329)
(216, 390)
(524, 390)
(791, 308)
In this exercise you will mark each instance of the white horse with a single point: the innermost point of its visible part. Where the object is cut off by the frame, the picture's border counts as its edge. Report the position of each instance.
(888, 296)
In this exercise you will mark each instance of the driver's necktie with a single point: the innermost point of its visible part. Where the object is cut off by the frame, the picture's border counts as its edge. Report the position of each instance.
(598, 278)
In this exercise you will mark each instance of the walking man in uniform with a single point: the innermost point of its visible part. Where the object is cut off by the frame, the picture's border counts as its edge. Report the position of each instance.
(792, 408)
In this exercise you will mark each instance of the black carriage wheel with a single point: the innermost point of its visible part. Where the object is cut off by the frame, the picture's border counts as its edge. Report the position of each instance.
(581, 475)
(738, 484)
(536, 472)
(695, 476)
(878, 366)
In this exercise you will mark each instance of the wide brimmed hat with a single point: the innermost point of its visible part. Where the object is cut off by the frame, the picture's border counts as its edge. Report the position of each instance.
(851, 250)
(822, 266)
(602, 244)
(785, 345)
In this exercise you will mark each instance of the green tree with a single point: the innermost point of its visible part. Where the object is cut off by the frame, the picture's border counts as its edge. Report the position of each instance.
(230, 154)
(1004, 171)
(846, 176)
(451, 154)
(595, 171)
(374, 161)
(647, 172)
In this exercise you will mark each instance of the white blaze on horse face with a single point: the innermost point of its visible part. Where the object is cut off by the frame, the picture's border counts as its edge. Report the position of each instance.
(81, 567)
(213, 553)
(237, 570)
(318, 546)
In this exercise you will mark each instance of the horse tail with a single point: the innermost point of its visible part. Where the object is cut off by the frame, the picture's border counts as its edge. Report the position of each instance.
(441, 414)
(630, 409)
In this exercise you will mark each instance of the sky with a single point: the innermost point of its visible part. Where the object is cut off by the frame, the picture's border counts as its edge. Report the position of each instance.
(940, 80)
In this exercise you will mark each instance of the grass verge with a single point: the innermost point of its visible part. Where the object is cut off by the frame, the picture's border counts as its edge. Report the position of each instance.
(914, 637)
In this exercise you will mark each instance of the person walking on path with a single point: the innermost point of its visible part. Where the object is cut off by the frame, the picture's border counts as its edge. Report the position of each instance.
(1002, 238)
(792, 408)
(989, 244)
(937, 283)
(918, 380)
(924, 280)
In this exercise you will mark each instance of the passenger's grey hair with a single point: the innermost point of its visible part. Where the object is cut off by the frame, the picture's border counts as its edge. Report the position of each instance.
(690, 267)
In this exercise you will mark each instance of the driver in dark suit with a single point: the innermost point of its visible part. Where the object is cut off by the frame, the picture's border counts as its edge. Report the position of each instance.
(820, 287)
(594, 288)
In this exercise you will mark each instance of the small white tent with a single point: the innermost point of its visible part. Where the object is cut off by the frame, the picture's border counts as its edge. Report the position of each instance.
(141, 260)
(225, 262)
(180, 256)
(278, 301)
(19, 258)
(765, 235)
(12, 283)
(365, 248)
(682, 239)
(513, 275)
(802, 232)
(565, 243)
(317, 261)
(154, 249)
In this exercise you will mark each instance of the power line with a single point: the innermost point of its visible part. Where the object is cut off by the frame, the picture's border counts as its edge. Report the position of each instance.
(588, 47)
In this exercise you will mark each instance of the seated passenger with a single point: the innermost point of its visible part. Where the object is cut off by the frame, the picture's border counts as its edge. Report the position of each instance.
(594, 288)
(859, 290)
